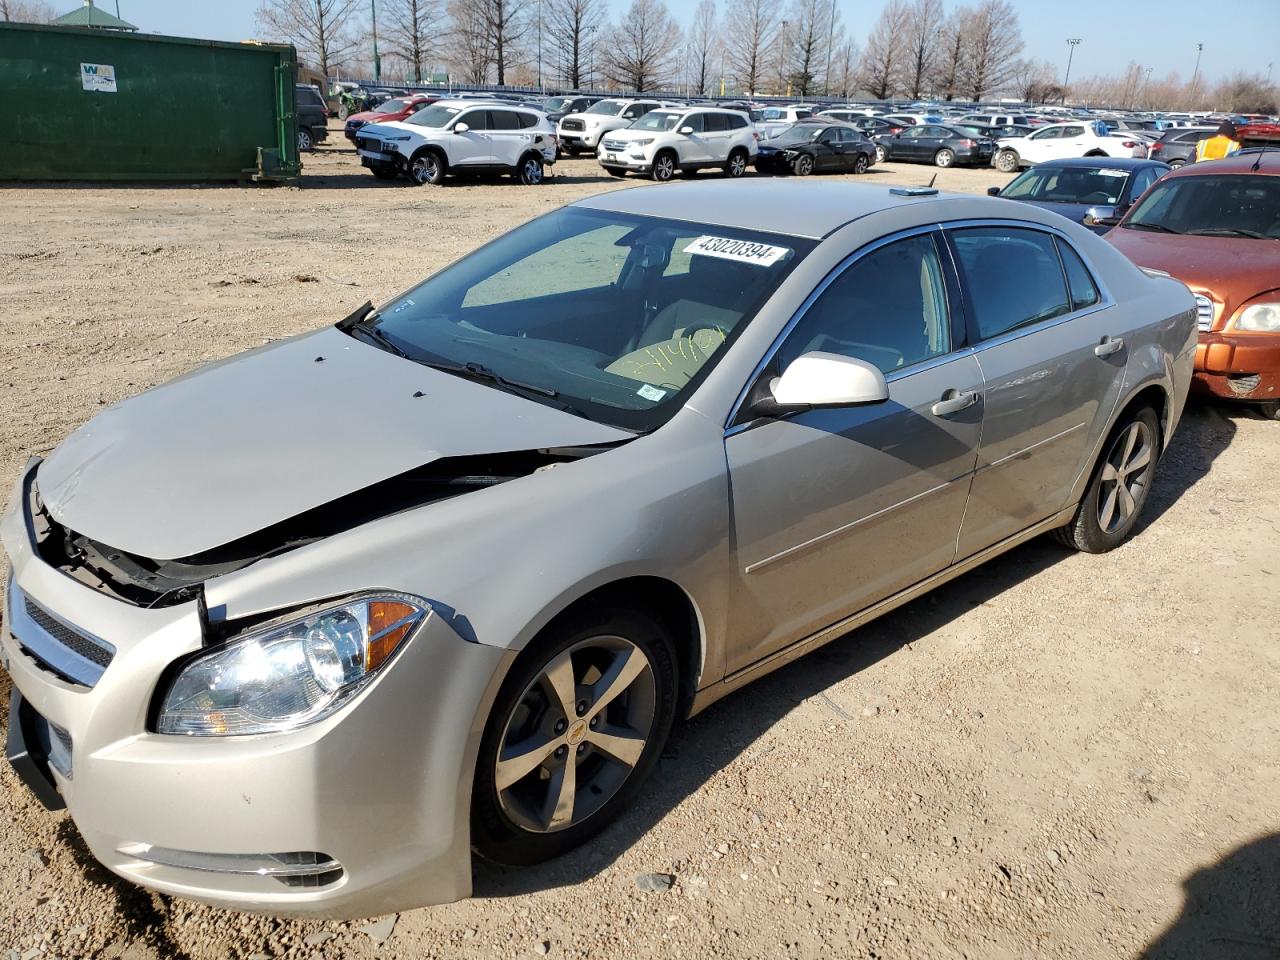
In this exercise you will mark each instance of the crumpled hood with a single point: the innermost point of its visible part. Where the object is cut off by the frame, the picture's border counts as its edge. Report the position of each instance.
(234, 447)
(1232, 270)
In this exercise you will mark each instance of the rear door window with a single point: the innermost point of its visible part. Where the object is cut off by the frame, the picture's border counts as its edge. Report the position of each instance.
(716, 122)
(503, 120)
(1013, 278)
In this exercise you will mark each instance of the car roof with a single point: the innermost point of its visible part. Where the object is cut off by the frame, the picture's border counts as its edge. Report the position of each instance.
(1268, 165)
(1107, 163)
(798, 208)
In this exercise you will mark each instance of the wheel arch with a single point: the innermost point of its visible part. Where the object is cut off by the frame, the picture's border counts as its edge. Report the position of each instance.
(644, 593)
(431, 148)
(1152, 392)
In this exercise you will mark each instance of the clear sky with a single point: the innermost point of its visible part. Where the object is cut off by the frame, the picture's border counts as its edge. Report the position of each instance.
(1161, 34)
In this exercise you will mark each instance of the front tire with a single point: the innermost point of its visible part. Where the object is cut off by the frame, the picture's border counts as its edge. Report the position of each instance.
(802, 166)
(664, 167)
(426, 168)
(384, 171)
(737, 164)
(881, 154)
(1007, 161)
(944, 158)
(1119, 486)
(577, 726)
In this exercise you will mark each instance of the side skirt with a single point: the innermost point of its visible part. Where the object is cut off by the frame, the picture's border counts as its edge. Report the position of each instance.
(709, 695)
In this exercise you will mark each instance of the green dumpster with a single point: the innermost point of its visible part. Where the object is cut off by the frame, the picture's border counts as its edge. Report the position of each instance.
(88, 104)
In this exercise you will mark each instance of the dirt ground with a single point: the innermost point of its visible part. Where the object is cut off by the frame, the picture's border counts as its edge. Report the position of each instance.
(1057, 755)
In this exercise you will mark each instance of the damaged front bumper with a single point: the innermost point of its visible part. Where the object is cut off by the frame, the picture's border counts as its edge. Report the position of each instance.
(364, 812)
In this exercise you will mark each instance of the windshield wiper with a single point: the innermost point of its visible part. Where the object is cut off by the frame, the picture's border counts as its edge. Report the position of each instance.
(478, 371)
(1230, 232)
(1155, 227)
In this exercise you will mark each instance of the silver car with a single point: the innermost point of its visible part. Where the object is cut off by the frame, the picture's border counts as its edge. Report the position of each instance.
(301, 631)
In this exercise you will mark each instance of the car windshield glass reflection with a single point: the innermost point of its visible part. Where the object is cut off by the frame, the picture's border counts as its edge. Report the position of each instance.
(437, 115)
(657, 120)
(1069, 185)
(611, 316)
(1226, 205)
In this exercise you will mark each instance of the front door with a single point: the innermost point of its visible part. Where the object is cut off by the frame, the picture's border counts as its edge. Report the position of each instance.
(1042, 145)
(835, 509)
(471, 147)
(1053, 357)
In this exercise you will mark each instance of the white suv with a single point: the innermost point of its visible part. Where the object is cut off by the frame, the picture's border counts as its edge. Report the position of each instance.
(582, 131)
(664, 141)
(459, 135)
(1059, 141)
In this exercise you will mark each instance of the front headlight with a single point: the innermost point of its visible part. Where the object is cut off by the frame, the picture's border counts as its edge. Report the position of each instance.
(643, 142)
(1262, 317)
(290, 674)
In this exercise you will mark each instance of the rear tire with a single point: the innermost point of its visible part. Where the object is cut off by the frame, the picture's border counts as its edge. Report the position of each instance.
(944, 158)
(737, 164)
(881, 154)
(1119, 485)
(1007, 161)
(306, 143)
(558, 698)
(1177, 164)
(530, 172)
(1270, 409)
(862, 164)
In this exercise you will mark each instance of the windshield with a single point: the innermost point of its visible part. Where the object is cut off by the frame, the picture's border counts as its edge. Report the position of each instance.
(391, 106)
(1068, 185)
(656, 120)
(436, 115)
(773, 113)
(800, 134)
(1227, 205)
(604, 106)
(556, 104)
(646, 310)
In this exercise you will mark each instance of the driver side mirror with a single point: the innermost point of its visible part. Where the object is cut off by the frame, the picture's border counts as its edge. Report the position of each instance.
(460, 128)
(686, 131)
(1101, 217)
(820, 379)
(993, 191)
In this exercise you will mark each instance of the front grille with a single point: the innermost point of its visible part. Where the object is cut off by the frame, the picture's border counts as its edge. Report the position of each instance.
(373, 145)
(1204, 312)
(65, 635)
(617, 146)
(573, 125)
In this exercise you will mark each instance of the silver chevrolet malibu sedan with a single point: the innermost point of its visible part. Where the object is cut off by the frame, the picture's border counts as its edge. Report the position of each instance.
(304, 630)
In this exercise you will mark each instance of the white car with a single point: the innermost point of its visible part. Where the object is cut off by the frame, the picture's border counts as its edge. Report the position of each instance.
(664, 141)
(1059, 141)
(773, 120)
(582, 131)
(460, 135)
(996, 119)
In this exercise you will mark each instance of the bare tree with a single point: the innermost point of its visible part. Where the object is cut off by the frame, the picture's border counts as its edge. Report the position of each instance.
(572, 26)
(884, 59)
(810, 30)
(470, 52)
(924, 30)
(321, 30)
(842, 78)
(750, 29)
(1246, 93)
(409, 29)
(25, 11)
(949, 55)
(506, 22)
(992, 42)
(703, 44)
(642, 46)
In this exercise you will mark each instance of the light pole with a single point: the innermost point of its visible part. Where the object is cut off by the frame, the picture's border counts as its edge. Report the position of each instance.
(1146, 89)
(831, 34)
(1196, 72)
(540, 45)
(1072, 43)
(377, 61)
(782, 57)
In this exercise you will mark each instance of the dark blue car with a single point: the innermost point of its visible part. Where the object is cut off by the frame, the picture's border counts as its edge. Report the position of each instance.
(1094, 191)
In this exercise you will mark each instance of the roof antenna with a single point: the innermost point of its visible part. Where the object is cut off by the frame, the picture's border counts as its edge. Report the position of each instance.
(931, 180)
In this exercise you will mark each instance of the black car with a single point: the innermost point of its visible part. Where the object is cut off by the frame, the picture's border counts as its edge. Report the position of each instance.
(936, 144)
(313, 116)
(997, 133)
(816, 148)
(1177, 147)
(1094, 191)
(557, 108)
(870, 126)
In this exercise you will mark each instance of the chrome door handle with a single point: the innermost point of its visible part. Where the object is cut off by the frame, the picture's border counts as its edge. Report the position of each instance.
(955, 402)
(1109, 346)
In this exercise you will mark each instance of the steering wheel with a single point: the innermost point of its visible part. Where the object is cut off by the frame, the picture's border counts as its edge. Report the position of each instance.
(1096, 197)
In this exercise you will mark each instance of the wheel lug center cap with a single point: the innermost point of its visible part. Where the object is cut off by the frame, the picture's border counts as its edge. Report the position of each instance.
(577, 733)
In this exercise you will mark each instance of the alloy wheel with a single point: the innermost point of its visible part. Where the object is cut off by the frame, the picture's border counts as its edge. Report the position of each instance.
(304, 141)
(575, 734)
(423, 169)
(944, 158)
(1126, 474)
(532, 172)
(860, 165)
(804, 165)
(664, 168)
(737, 164)
(880, 154)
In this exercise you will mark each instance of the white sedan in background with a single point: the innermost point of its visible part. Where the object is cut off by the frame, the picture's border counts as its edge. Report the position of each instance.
(1062, 140)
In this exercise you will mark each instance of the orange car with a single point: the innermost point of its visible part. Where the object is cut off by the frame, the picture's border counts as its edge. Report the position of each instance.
(1216, 227)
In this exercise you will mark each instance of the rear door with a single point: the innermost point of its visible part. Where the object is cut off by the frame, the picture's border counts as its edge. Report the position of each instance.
(716, 136)
(507, 137)
(1053, 356)
(836, 509)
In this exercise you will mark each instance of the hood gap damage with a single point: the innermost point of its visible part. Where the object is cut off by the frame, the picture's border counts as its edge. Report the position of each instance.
(147, 582)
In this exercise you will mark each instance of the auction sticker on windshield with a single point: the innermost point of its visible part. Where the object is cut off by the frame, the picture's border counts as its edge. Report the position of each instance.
(744, 251)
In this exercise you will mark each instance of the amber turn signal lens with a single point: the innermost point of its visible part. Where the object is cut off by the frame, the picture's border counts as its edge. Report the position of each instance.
(389, 622)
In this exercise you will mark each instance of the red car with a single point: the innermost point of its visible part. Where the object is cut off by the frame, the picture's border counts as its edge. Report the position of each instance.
(397, 108)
